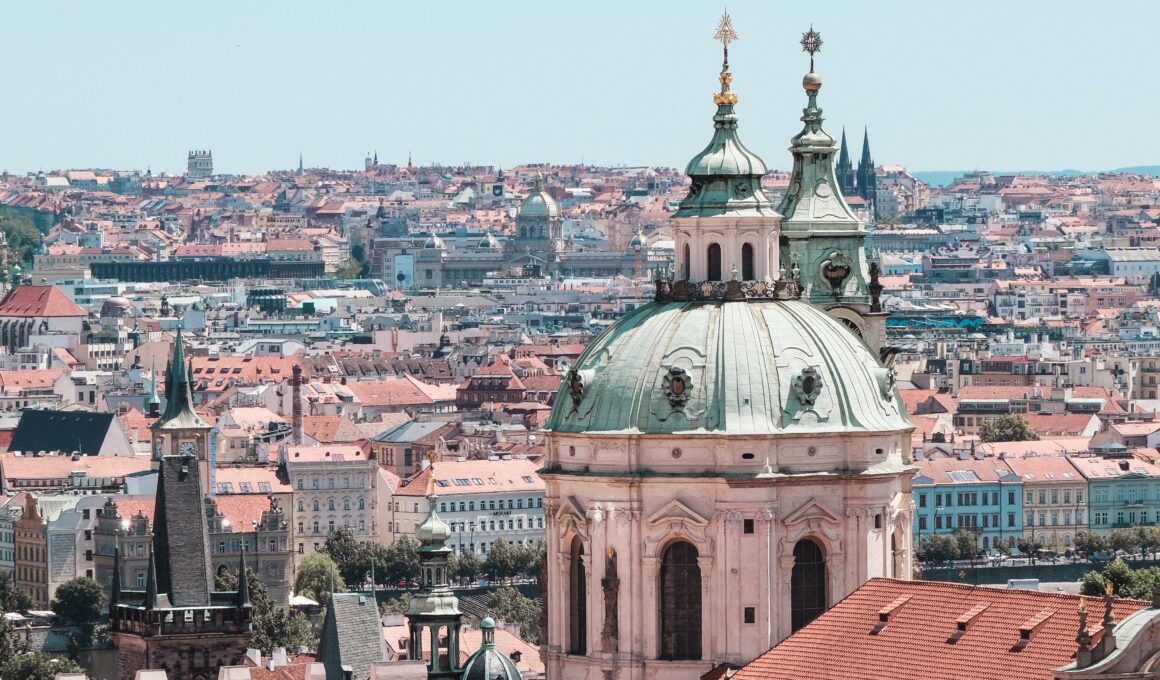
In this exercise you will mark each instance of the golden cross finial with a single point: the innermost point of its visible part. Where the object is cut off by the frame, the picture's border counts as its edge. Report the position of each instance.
(725, 34)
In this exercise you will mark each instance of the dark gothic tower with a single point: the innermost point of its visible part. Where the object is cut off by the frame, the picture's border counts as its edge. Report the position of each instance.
(867, 179)
(179, 623)
(845, 170)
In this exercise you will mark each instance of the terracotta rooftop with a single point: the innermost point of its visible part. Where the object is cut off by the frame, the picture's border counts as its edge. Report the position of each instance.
(36, 301)
(921, 637)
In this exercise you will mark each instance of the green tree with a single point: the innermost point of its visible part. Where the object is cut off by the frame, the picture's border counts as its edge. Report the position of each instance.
(396, 605)
(938, 548)
(1148, 539)
(36, 666)
(352, 557)
(500, 563)
(402, 560)
(273, 627)
(1029, 547)
(1126, 582)
(12, 599)
(1090, 543)
(1124, 539)
(1011, 428)
(508, 604)
(12, 642)
(317, 574)
(468, 566)
(79, 600)
(528, 557)
(968, 544)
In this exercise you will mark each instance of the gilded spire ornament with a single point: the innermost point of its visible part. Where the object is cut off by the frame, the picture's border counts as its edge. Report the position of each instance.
(725, 34)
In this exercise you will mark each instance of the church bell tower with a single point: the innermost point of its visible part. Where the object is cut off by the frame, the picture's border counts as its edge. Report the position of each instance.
(180, 431)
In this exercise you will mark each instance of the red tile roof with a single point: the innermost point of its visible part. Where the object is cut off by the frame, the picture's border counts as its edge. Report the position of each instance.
(921, 639)
(34, 301)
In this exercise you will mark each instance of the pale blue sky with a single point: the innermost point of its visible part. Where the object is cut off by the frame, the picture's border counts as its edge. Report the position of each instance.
(943, 85)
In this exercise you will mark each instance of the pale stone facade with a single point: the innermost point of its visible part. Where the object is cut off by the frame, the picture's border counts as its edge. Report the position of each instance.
(860, 520)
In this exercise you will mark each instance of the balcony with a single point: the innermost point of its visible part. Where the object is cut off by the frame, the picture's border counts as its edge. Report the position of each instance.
(1131, 525)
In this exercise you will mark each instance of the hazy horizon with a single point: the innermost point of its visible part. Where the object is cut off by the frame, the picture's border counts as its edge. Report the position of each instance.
(136, 85)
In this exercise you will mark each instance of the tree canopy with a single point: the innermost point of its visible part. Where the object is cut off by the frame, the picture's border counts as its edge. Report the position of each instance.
(79, 600)
(1126, 581)
(273, 627)
(508, 604)
(317, 574)
(18, 662)
(1009, 428)
(12, 599)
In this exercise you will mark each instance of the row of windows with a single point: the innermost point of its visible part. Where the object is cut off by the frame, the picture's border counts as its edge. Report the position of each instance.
(491, 524)
(316, 505)
(316, 526)
(1055, 496)
(965, 521)
(360, 483)
(244, 487)
(965, 498)
(1043, 517)
(469, 506)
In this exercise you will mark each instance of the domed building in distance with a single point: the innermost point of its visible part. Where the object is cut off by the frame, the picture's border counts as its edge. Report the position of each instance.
(725, 463)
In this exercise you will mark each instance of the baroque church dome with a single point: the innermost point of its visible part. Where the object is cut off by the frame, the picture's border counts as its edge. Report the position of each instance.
(744, 368)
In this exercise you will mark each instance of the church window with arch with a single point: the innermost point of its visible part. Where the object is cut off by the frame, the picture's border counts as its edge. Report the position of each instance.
(578, 600)
(807, 583)
(680, 602)
(714, 262)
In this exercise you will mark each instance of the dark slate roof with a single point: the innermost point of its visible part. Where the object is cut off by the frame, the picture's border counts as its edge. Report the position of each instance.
(180, 534)
(44, 430)
(352, 636)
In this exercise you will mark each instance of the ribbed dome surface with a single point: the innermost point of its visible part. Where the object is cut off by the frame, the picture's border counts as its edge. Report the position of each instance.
(725, 154)
(540, 204)
(745, 368)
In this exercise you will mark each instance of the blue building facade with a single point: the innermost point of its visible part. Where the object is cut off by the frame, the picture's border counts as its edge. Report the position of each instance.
(981, 496)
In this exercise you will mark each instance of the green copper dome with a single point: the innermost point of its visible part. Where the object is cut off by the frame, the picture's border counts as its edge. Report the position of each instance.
(744, 368)
(540, 203)
(488, 242)
(488, 663)
(433, 531)
(726, 176)
(433, 242)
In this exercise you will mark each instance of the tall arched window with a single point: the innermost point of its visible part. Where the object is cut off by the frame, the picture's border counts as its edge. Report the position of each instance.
(578, 606)
(747, 263)
(807, 583)
(680, 597)
(688, 263)
(714, 262)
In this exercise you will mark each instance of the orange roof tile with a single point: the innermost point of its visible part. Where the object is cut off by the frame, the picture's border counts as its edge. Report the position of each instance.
(921, 640)
(38, 300)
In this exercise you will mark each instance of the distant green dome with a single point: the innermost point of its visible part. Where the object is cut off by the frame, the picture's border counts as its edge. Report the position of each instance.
(756, 367)
(540, 203)
(488, 242)
(433, 242)
(489, 663)
(638, 241)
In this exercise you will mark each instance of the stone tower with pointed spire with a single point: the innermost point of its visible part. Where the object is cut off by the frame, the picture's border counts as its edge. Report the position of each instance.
(726, 223)
(179, 623)
(867, 176)
(434, 618)
(847, 181)
(820, 235)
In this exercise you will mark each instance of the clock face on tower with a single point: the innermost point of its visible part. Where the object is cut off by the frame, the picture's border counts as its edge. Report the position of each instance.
(188, 449)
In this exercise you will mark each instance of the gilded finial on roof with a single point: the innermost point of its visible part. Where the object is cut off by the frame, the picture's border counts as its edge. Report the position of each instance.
(1082, 604)
(1109, 589)
(725, 34)
(431, 457)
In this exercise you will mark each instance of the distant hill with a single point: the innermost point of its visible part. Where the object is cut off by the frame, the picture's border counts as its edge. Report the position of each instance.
(941, 178)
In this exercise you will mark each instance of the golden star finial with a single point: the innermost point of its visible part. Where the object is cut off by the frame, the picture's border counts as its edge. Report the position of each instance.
(431, 458)
(811, 42)
(725, 34)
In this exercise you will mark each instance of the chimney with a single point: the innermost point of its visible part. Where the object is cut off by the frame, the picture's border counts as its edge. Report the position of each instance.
(296, 407)
(278, 657)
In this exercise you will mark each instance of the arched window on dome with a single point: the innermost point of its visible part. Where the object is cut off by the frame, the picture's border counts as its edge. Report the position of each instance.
(714, 256)
(688, 262)
(747, 263)
(578, 601)
(680, 599)
(807, 583)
